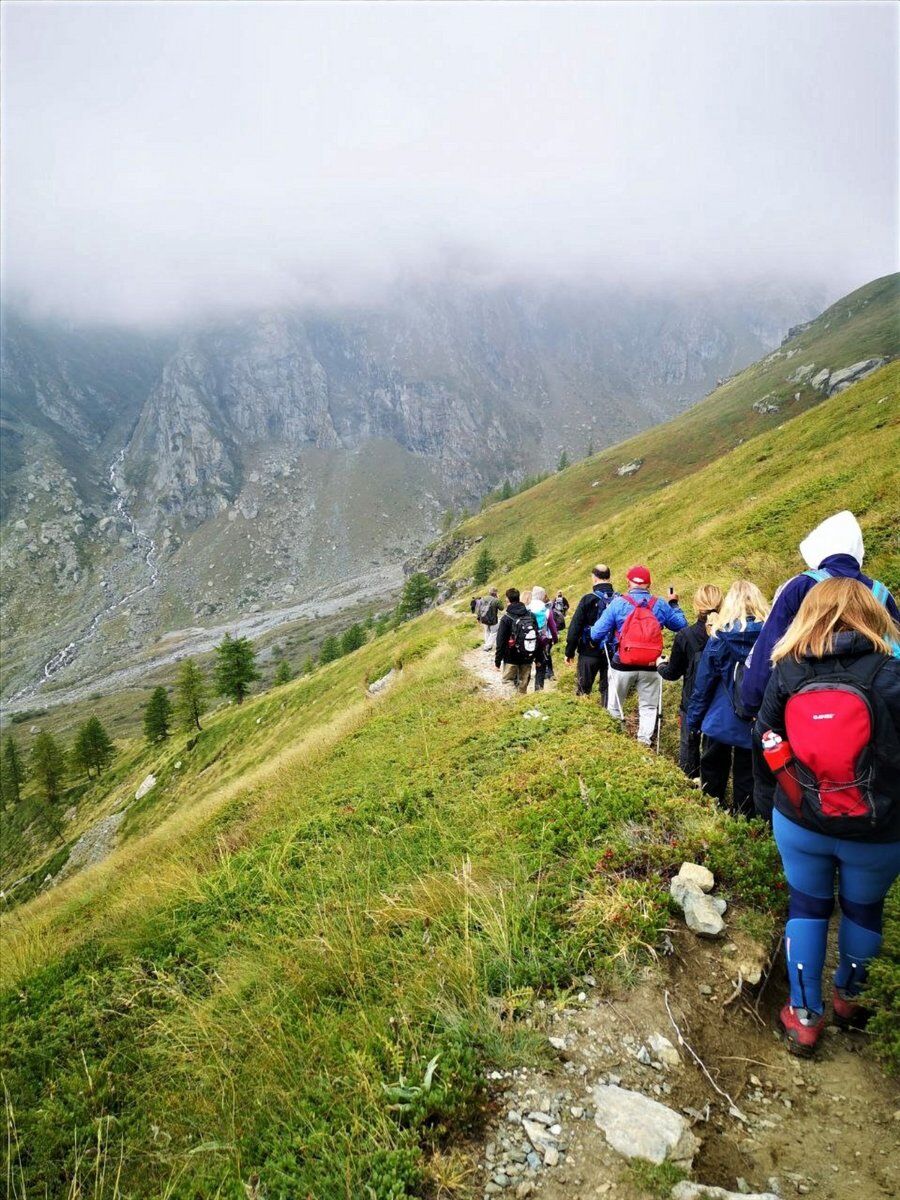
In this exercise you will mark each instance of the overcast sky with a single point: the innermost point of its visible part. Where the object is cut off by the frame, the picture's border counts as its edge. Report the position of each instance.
(165, 158)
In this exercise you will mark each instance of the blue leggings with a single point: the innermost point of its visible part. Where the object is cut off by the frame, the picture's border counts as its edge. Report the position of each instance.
(866, 871)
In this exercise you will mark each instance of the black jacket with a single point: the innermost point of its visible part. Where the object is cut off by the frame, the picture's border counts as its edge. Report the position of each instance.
(687, 650)
(504, 652)
(585, 616)
(787, 677)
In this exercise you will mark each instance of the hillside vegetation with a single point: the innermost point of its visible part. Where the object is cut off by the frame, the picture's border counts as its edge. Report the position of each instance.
(320, 928)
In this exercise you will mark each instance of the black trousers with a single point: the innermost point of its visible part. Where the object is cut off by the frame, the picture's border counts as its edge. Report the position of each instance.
(590, 667)
(689, 748)
(718, 760)
(543, 667)
(763, 782)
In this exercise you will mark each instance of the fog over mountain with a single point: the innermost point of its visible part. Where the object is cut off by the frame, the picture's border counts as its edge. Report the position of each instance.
(166, 160)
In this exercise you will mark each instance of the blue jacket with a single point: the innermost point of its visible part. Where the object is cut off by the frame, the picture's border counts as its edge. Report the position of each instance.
(710, 707)
(785, 608)
(613, 617)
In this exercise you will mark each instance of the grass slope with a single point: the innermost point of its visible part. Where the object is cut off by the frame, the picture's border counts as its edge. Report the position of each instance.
(864, 324)
(333, 893)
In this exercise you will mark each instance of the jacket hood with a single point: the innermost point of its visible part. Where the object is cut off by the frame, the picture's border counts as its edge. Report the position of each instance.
(839, 534)
(604, 589)
(538, 606)
(741, 641)
(847, 644)
(517, 609)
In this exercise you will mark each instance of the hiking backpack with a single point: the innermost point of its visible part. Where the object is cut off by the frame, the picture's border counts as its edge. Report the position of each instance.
(523, 637)
(640, 640)
(559, 607)
(595, 607)
(486, 611)
(830, 728)
(734, 692)
(879, 591)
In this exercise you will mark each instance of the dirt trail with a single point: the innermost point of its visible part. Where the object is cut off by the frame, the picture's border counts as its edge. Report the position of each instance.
(481, 665)
(826, 1127)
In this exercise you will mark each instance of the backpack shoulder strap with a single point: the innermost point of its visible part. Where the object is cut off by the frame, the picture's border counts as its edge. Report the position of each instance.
(652, 602)
(866, 668)
(631, 600)
(819, 575)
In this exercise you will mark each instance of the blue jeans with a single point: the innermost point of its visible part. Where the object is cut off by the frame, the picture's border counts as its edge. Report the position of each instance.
(865, 872)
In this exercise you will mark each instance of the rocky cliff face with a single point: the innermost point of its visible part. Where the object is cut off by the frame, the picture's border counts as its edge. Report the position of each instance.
(251, 460)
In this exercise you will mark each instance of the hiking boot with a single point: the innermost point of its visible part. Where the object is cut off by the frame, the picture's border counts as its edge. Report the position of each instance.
(802, 1029)
(848, 1012)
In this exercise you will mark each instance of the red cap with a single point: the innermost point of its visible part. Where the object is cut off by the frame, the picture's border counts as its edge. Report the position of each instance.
(638, 575)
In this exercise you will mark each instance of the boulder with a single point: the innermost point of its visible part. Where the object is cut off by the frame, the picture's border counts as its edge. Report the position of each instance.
(819, 380)
(379, 685)
(664, 1050)
(838, 381)
(147, 786)
(702, 876)
(702, 915)
(701, 1191)
(639, 1127)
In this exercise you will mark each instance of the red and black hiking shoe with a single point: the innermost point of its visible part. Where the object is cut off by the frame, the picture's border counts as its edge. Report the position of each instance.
(848, 1012)
(802, 1030)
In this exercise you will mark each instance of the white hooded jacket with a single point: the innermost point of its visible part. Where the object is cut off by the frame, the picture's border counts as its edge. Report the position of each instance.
(839, 534)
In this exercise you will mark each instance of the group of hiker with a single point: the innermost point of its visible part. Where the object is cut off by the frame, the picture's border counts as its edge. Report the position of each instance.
(796, 703)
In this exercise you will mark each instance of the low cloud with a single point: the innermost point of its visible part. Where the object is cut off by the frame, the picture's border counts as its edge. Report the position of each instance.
(170, 159)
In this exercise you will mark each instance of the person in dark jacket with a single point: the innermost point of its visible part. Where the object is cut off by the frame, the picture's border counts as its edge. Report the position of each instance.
(840, 631)
(725, 748)
(517, 667)
(687, 650)
(835, 549)
(593, 661)
(560, 608)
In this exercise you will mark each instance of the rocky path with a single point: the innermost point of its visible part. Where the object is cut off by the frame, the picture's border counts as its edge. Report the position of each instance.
(688, 1068)
(481, 665)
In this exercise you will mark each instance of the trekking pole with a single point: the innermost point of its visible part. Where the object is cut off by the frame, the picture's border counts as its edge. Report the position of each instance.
(659, 715)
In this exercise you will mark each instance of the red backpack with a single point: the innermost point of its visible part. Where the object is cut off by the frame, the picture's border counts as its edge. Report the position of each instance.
(641, 639)
(830, 727)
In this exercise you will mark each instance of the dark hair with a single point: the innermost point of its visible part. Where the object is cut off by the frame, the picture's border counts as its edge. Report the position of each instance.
(512, 595)
(600, 571)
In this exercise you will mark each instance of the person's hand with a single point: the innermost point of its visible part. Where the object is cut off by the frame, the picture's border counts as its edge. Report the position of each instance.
(569, 661)
(662, 659)
(673, 598)
(496, 666)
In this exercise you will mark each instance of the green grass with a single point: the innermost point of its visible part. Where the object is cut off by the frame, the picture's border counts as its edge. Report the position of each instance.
(313, 941)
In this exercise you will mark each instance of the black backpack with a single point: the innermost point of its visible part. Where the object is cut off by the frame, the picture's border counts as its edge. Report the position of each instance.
(692, 637)
(523, 637)
(595, 606)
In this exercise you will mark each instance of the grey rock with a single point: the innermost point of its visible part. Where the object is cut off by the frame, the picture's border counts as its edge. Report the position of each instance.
(639, 1127)
(840, 380)
(702, 876)
(702, 916)
(147, 785)
(686, 1190)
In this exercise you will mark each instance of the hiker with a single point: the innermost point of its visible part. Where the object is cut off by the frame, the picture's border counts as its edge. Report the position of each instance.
(487, 612)
(473, 606)
(560, 608)
(715, 707)
(548, 636)
(834, 699)
(517, 642)
(685, 658)
(593, 661)
(833, 549)
(636, 620)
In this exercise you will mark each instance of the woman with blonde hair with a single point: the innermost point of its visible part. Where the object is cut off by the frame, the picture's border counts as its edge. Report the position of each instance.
(830, 718)
(715, 708)
(687, 650)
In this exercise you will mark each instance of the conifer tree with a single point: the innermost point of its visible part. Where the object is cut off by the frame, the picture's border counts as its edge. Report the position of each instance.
(190, 695)
(330, 650)
(235, 667)
(506, 491)
(563, 461)
(590, 450)
(309, 666)
(417, 592)
(352, 639)
(92, 749)
(283, 674)
(48, 766)
(528, 551)
(157, 715)
(485, 566)
(12, 771)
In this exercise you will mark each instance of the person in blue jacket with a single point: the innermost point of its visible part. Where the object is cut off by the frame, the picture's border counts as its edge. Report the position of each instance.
(623, 677)
(714, 708)
(834, 549)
